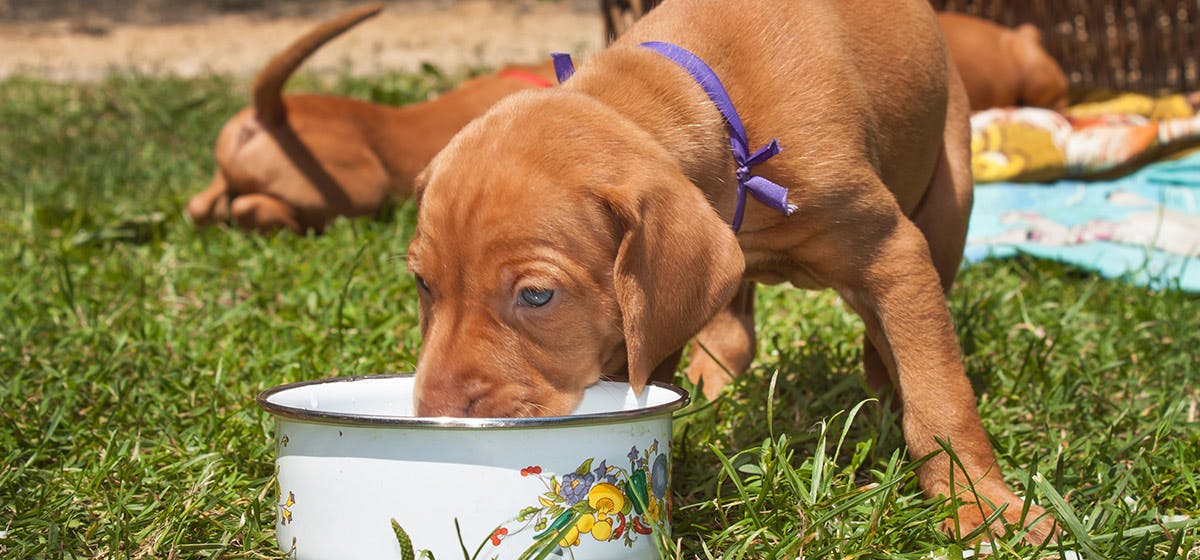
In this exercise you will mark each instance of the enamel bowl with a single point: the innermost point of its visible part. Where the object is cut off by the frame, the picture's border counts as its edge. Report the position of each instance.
(360, 477)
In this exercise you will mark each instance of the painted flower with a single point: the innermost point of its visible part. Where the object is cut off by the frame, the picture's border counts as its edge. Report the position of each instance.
(575, 487)
(609, 503)
(603, 474)
(652, 512)
(285, 509)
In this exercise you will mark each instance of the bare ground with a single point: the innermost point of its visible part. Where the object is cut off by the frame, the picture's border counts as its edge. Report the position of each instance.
(452, 35)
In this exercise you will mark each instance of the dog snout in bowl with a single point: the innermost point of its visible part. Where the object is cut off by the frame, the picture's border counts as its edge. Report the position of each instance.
(524, 338)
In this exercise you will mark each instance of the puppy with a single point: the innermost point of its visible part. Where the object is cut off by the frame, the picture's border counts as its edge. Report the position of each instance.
(298, 162)
(1003, 67)
(583, 232)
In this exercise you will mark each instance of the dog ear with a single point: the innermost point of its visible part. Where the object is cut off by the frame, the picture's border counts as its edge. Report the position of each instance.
(1043, 82)
(677, 264)
(419, 183)
(1029, 32)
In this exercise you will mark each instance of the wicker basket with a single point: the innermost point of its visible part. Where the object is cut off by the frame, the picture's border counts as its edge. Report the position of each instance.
(1127, 45)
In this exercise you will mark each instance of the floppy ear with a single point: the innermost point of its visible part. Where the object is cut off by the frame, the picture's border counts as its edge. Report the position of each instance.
(677, 264)
(1043, 82)
(419, 183)
(1029, 33)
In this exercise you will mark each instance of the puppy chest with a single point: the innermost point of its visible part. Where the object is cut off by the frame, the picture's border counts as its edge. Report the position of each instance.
(777, 268)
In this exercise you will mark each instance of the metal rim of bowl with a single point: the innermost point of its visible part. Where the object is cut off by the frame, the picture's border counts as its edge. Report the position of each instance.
(345, 419)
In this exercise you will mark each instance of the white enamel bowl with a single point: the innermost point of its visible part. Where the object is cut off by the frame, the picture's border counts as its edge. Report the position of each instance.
(351, 458)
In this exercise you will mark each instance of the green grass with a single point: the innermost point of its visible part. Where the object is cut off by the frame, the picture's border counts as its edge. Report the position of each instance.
(131, 348)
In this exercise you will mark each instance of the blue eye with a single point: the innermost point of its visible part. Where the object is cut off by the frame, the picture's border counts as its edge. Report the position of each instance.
(535, 297)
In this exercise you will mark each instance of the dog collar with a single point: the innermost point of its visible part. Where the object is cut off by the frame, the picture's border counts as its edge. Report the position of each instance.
(528, 77)
(765, 190)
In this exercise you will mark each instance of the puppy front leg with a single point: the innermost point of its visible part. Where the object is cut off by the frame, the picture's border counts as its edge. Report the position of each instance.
(899, 297)
(730, 340)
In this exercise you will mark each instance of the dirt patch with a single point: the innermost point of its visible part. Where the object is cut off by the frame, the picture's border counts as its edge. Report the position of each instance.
(85, 45)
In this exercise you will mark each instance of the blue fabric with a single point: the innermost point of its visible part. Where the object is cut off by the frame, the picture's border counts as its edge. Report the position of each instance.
(1089, 211)
(564, 67)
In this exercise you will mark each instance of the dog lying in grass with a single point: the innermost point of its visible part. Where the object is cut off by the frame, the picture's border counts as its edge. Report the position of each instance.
(584, 232)
(300, 161)
(1003, 67)
(297, 162)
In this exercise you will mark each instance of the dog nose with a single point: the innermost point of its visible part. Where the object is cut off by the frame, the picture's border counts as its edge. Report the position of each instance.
(449, 395)
(445, 405)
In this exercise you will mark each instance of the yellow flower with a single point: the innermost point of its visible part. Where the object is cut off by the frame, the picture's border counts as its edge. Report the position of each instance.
(652, 509)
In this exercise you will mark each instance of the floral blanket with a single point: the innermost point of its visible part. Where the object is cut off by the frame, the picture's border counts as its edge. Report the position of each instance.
(1086, 140)
(1144, 226)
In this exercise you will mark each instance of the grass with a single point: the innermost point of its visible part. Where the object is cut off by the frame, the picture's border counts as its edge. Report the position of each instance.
(131, 347)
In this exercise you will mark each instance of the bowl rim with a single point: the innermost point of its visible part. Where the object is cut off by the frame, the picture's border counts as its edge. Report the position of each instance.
(375, 420)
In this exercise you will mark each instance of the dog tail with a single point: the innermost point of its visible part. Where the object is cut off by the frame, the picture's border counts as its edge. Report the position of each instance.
(268, 86)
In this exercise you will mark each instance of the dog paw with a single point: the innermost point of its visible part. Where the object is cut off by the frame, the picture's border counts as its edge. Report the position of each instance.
(1037, 525)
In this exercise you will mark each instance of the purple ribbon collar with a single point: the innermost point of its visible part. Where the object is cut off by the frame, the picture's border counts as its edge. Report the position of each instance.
(766, 191)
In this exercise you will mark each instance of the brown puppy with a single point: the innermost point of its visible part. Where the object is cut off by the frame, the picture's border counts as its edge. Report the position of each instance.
(298, 162)
(1003, 67)
(582, 232)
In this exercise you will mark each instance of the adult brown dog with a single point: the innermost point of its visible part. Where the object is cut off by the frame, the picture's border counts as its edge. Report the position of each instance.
(297, 162)
(582, 232)
(1003, 67)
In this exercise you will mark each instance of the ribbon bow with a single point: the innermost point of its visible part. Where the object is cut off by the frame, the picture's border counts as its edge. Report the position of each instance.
(766, 191)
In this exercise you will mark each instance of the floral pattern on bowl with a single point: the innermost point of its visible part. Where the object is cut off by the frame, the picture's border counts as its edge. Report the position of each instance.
(606, 503)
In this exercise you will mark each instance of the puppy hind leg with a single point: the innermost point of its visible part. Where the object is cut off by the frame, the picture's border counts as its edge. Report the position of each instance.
(211, 205)
(726, 346)
(262, 213)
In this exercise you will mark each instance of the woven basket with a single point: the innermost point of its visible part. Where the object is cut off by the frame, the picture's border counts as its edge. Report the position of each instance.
(1126, 45)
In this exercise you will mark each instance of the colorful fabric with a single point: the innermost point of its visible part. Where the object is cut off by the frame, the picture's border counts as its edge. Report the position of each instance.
(1144, 227)
(1032, 144)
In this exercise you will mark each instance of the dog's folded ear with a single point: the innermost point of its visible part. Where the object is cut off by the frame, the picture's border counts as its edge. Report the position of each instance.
(677, 264)
(419, 183)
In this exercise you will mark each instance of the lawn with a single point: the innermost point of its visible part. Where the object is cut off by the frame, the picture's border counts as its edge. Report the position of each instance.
(132, 346)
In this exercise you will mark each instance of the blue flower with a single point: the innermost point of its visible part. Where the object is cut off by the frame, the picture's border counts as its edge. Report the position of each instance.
(602, 473)
(633, 454)
(575, 487)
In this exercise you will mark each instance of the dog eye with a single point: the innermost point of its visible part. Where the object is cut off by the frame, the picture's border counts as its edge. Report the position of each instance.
(536, 297)
(421, 282)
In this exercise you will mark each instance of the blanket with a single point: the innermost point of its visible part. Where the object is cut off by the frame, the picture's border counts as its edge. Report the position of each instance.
(1144, 226)
(1085, 140)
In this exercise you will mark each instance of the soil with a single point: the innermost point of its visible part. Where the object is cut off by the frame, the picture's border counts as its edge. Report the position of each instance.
(71, 41)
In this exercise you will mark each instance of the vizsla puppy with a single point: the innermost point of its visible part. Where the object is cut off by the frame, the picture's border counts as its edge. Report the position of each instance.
(298, 162)
(584, 232)
(1003, 67)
